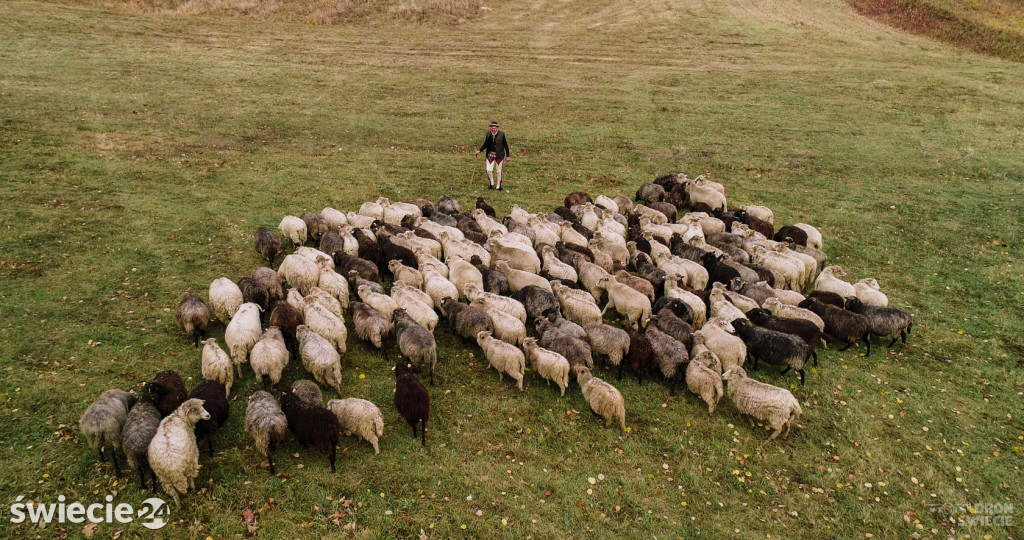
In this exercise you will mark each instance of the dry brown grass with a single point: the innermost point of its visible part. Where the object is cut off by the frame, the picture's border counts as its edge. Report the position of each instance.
(321, 12)
(991, 27)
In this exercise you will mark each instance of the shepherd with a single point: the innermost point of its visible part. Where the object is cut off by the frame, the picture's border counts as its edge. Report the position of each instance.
(497, 154)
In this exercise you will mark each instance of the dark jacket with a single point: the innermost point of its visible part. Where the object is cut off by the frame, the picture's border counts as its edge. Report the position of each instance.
(496, 143)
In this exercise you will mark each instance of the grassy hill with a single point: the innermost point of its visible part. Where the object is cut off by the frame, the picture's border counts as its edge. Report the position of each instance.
(140, 150)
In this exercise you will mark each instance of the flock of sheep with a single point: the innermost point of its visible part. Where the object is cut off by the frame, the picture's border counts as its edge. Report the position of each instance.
(699, 295)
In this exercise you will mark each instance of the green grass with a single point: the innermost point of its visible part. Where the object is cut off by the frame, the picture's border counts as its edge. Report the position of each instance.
(139, 153)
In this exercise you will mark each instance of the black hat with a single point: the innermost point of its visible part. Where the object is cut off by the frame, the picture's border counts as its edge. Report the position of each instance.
(494, 124)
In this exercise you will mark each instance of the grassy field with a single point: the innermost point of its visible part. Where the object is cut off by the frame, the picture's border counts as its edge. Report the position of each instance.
(139, 152)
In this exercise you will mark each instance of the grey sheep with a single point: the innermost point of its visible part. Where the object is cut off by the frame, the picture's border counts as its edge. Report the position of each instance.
(369, 324)
(883, 321)
(308, 391)
(193, 315)
(608, 341)
(102, 422)
(416, 342)
(270, 281)
(139, 429)
(670, 355)
(464, 320)
(267, 424)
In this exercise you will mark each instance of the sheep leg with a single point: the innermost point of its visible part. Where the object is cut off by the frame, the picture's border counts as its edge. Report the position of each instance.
(102, 459)
(142, 476)
(270, 457)
(867, 343)
(424, 432)
(786, 370)
(814, 354)
(775, 433)
(332, 455)
(893, 342)
(431, 377)
(117, 467)
(413, 426)
(195, 337)
(620, 371)
(801, 372)
(848, 345)
(903, 334)
(672, 387)
(209, 443)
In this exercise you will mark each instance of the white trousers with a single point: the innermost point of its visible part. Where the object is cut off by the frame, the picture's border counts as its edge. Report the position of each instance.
(492, 167)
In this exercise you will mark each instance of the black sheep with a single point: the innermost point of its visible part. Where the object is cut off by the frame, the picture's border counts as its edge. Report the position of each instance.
(680, 248)
(566, 252)
(466, 223)
(355, 280)
(494, 281)
(773, 347)
(640, 355)
(287, 319)
(728, 217)
(797, 234)
(367, 269)
(759, 225)
(841, 324)
(667, 181)
(678, 196)
(647, 270)
(676, 306)
(829, 297)
(412, 400)
(884, 321)
(575, 198)
(267, 244)
(481, 204)
(718, 271)
(385, 230)
(700, 207)
(215, 401)
(575, 350)
(167, 391)
(538, 302)
(566, 214)
(465, 320)
(670, 355)
(311, 424)
(802, 328)
(253, 291)
(368, 248)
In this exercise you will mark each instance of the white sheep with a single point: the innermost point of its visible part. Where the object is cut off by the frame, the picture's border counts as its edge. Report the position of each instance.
(325, 323)
(518, 279)
(333, 283)
(674, 290)
(438, 287)
(505, 358)
(360, 221)
(216, 364)
(460, 247)
(777, 308)
(295, 299)
(418, 304)
(744, 303)
(425, 261)
(706, 194)
(409, 240)
(383, 303)
(760, 212)
(268, 357)
(577, 305)
(590, 274)
(831, 280)
(319, 357)
(437, 229)
(720, 337)
(545, 231)
(791, 269)
(704, 380)
(486, 223)
(325, 299)
(507, 327)
(314, 255)
(294, 229)
(225, 298)
(300, 272)
(548, 364)
(869, 292)
(173, 454)
(653, 215)
(498, 302)
(723, 308)
(633, 305)
(462, 274)
(335, 219)
(360, 417)
(242, 333)
(813, 235)
(408, 275)
(603, 398)
(373, 209)
(572, 236)
(768, 403)
(518, 256)
(607, 203)
(555, 267)
(612, 244)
